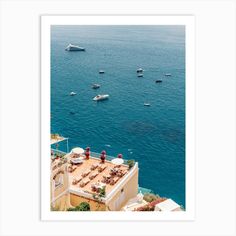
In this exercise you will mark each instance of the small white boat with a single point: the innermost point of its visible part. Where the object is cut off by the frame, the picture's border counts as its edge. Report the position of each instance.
(147, 104)
(140, 75)
(101, 71)
(96, 86)
(72, 47)
(72, 94)
(101, 97)
(139, 70)
(168, 74)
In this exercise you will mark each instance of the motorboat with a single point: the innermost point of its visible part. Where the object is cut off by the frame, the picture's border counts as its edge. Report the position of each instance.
(101, 72)
(140, 75)
(168, 74)
(158, 81)
(139, 70)
(72, 47)
(146, 104)
(96, 86)
(101, 97)
(72, 94)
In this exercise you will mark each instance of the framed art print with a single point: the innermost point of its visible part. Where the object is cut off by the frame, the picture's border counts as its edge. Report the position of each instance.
(117, 117)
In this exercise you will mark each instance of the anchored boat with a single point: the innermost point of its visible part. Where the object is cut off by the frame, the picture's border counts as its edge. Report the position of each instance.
(72, 94)
(96, 86)
(72, 47)
(146, 104)
(139, 70)
(101, 97)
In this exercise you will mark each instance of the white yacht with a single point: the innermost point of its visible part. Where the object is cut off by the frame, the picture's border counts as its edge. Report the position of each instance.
(146, 104)
(168, 74)
(139, 70)
(101, 97)
(101, 71)
(72, 94)
(96, 86)
(72, 47)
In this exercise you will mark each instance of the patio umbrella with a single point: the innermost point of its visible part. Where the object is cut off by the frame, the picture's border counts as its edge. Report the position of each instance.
(117, 161)
(78, 150)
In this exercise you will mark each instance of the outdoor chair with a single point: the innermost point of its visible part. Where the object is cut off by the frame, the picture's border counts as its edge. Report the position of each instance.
(85, 173)
(93, 166)
(114, 180)
(93, 176)
(102, 168)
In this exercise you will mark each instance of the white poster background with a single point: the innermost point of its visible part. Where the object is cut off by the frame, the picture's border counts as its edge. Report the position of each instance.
(20, 117)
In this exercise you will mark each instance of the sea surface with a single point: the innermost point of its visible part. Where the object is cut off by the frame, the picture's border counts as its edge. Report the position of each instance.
(154, 136)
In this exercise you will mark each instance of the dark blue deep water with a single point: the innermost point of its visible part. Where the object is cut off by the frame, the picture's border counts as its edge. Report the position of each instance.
(154, 136)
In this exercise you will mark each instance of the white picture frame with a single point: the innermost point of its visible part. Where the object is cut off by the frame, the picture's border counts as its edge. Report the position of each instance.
(188, 22)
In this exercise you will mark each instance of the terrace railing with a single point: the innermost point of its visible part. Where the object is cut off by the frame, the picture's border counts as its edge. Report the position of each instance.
(58, 151)
(93, 154)
(108, 158)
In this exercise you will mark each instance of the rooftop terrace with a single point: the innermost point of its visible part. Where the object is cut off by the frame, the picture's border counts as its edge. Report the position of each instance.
(91, 175)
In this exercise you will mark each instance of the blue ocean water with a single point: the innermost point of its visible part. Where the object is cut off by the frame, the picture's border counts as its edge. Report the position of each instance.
(154, 136)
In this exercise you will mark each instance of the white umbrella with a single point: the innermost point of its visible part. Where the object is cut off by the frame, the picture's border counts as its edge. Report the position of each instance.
(117, 161)
(78, 150)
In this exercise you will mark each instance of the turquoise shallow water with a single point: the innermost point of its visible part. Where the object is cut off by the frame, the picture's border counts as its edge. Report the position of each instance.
(154, 136)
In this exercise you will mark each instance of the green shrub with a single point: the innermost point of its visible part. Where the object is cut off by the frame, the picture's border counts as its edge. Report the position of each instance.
(102, 192)
(149, 197)
(83, 206)
(130, 163)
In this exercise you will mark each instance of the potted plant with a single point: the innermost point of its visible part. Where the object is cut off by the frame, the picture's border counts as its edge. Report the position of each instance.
(130, 163)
